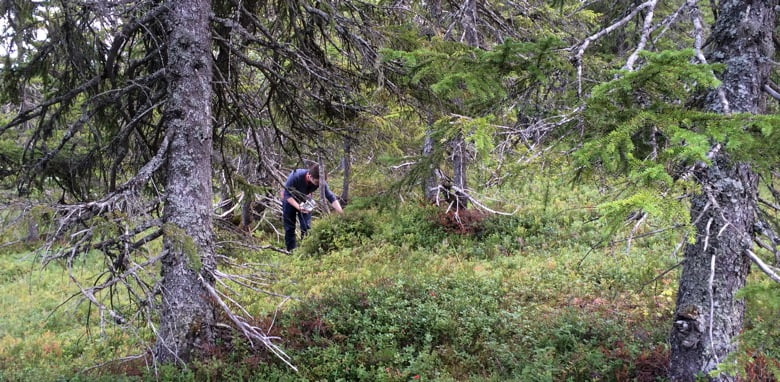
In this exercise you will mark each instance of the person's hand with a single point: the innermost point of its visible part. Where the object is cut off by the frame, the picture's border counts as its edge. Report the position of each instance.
(307, 207)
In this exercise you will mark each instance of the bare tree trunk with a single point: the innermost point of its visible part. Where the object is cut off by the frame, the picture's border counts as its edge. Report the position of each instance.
(708, 316)
(346, 164)
(430, 182)
(459, 150)
(459, 164)
(323, 179)
(469, 21)
(32, 231)
(187, 317)
(246, 211)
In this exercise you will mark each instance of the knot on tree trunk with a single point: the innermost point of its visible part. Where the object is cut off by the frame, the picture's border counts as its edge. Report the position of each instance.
(687, 326)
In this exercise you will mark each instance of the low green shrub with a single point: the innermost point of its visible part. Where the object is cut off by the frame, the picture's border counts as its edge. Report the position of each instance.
(758, 357)
(454, 328)
(414, 226)
(351, 229)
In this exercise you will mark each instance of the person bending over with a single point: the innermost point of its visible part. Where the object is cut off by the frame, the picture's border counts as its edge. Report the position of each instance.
(297, 196)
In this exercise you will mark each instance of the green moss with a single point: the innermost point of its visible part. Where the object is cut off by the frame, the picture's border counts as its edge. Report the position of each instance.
(183, 243)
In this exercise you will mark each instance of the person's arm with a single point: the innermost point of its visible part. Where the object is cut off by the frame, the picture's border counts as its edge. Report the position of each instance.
(337, 206)
(334, 201)
(294, 203)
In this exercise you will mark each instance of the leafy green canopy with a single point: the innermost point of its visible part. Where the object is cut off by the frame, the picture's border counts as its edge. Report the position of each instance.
(645, 124)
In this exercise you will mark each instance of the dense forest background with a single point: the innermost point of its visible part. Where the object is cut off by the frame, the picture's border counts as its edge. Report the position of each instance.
(533, 191)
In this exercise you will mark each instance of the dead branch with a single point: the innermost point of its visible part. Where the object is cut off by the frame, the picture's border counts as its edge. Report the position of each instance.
(585, 43)
(633, 231)
(661, 275)
(671, 19)
(256, 247)
(76, 213)
(646, 30)
(465, 194)
(769, 204)
(252, 333)
(769, 270)
(772, 92)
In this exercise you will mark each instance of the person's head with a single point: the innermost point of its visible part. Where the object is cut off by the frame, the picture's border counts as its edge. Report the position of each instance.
(313, 174)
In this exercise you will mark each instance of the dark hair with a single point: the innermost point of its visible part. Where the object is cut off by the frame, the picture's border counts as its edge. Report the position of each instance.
(314, 171)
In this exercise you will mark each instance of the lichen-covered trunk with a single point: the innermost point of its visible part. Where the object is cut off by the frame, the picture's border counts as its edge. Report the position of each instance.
(430, 182)
(469, 22)
(346, 164)
(459, 166)
(708, 315)
(187, 316)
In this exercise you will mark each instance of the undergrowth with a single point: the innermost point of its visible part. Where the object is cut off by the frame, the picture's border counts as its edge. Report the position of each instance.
(458, 328)
(394, 291)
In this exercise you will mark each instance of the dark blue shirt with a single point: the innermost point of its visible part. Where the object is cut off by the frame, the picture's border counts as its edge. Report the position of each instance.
(298, 188)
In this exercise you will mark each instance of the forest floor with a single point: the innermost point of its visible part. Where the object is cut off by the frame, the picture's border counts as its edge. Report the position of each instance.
(403, 292)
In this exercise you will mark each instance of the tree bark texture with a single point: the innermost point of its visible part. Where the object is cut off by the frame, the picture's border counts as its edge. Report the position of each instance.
(346, 164)
(324, 180)
(431, 181)
(708, 315)
(469, 22)
(459, 165)
(186, 316)
(742, 40)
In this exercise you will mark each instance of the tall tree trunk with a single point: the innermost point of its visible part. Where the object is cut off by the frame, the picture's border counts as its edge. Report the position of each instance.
(186, 316)
(469, 22)
(323, 179)
(459, 167)
(246, 212)
(346, 164)
(459, 150)
(708, 316)
(431, 181)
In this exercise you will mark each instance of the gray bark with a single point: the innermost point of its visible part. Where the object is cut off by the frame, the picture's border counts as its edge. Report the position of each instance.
(246, 211)
(459, 150)
(431, 181)
(324, 181)
(346, 164)
(708, 315)
(742, 40)
(459, 166)
(186, 316)
(470, 34)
